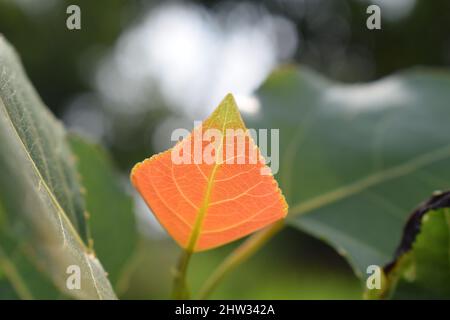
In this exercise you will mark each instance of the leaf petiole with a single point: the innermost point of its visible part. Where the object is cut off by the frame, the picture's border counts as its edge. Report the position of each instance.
(180, 288)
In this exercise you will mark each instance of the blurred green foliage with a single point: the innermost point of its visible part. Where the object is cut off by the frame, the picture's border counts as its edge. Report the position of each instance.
(279, 271)
(47, 47)
(60, 64)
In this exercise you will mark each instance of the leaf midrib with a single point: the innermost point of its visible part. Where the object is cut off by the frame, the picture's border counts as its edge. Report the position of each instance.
(370, 181)
(59, 210)
(60, 172)
(201, 214)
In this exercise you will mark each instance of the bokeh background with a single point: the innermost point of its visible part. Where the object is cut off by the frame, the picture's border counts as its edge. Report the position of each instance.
(138, 69)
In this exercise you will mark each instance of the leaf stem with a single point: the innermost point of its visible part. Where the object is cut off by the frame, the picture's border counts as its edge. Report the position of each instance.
(180, 289)
(239, 255)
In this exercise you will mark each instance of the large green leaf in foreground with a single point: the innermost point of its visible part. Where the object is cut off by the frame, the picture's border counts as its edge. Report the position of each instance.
(356, 159)
(111, 210)
(39, 193)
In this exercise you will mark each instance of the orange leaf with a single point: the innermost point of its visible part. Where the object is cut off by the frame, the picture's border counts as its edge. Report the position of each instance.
(210, 189)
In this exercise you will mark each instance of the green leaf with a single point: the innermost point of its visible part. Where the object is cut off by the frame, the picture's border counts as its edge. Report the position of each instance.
(355, 159)
(421, 268)
(111, 212)
(39, 192)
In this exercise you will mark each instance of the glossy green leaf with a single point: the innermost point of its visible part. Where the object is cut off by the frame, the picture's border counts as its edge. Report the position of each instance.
(421, 268)
(39, 192)
(426, 274)
(110, 208)
(356, 159)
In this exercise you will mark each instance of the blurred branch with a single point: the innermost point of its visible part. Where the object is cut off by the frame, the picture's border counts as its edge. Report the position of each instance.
(238, 256)
(123, 282)
(14, 277)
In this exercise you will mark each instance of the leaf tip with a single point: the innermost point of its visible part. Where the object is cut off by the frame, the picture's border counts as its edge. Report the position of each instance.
(225, 116)
(229, 98)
